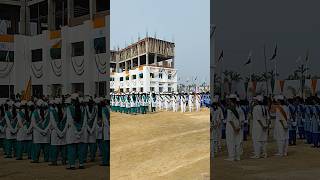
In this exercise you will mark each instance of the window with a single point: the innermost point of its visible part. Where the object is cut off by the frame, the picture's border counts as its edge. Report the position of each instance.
(151, 75)
(127, 78)
(134, 76)
(160, 89)
(127, 90)
(169, 89)
(6, 57)
(102, 5)
(36, 55)
(55, 53)
(134, 89)
(78, 49)
(141, 89)
(169, 76)
(37, 91)
(121, 78)
(152, 89)
(160, 75)
(4, 91)
(141, 75)
(100, 45)
(111, 79)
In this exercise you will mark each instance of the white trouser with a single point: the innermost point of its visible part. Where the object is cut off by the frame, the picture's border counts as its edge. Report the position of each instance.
(190, 108)
(260, 148)
(283, 146)
(198, 106)
(234, 149)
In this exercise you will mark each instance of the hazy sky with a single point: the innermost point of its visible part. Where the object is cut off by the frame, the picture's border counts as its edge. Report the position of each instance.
(187, 22)
(249, 24)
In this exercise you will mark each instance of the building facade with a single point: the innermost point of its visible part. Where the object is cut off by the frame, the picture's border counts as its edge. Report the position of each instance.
(64, 48)
(145, 66)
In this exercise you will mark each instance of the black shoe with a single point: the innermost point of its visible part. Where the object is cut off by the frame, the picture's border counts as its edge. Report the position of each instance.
(105, 164)
(53, 164)
(81, 167)
(71, 168)
(19, 159)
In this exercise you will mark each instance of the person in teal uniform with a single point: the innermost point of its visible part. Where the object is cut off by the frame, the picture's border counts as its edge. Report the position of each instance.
(105, 114)
(40, 121)
(2, 126)
(21, 130)
(75, 123)
(11, 129)
(58, 131)
(92, 127)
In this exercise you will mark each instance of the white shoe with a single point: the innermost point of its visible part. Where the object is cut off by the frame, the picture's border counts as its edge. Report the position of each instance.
(229, 159)
(255, 157)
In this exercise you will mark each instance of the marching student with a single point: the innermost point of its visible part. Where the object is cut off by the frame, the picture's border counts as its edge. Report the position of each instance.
(58, 132)
(300, 118)
(92, 118)
(21, 134)
(74, 133)
(292, 123)
(233, 130)
(198, 102)
(2, 126)
(105, 114)
(260, 128)
(190, 102)
(281, 133)
(11, 129)
(316, 125)
(40, 120)
(216, 122)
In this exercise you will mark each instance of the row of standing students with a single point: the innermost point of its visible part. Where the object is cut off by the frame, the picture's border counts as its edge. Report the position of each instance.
(67, 129)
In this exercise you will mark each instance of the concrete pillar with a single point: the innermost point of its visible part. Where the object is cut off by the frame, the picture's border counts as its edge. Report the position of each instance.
(126, 65)
(24, 19)
(155, 59)
(93, 8)
(172, 63)
(138, 55)
(70, 10)
(147, 59)
(131, 63)
(51, 15)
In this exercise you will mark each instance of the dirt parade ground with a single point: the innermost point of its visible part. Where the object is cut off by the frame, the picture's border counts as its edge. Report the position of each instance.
(12, 169)
(302, 163)
(160, 146)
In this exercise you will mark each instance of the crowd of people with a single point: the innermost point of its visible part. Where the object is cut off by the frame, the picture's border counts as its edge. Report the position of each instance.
(69, 129)
(234, 120)
(142, 103)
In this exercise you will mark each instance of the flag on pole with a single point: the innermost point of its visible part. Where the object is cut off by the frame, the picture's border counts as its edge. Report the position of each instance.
(274, 53)
(221, 56)
(249, 58)
(27, 92)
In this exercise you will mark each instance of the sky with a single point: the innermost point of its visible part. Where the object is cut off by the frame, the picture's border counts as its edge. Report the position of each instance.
(247, 25)
(187, 22)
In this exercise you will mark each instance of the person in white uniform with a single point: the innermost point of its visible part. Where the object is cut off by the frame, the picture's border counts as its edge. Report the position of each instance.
(216, 121)
(281, 132)
(233, 129)
(259, 128)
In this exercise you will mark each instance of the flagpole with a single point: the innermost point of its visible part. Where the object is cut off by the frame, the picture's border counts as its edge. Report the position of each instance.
(265, 67)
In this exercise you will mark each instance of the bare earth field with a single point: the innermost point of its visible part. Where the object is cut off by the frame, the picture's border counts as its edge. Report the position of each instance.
(160, 146)
(12, 169)
(302, 163)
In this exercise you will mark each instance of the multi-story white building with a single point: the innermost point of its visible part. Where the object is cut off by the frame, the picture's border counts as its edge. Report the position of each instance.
(145, 66)
(62, 45)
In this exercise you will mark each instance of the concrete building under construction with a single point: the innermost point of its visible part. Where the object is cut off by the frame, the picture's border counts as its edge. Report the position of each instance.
(62, 45)
(144, 66)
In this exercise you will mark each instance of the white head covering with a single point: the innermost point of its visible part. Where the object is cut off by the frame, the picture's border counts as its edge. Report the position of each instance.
(258, 98)
(97, 100)
(74, 96)
(17, 104)
(30, 103)
(68, 100)
(23, 102)
(279, 97)
(40, 102)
